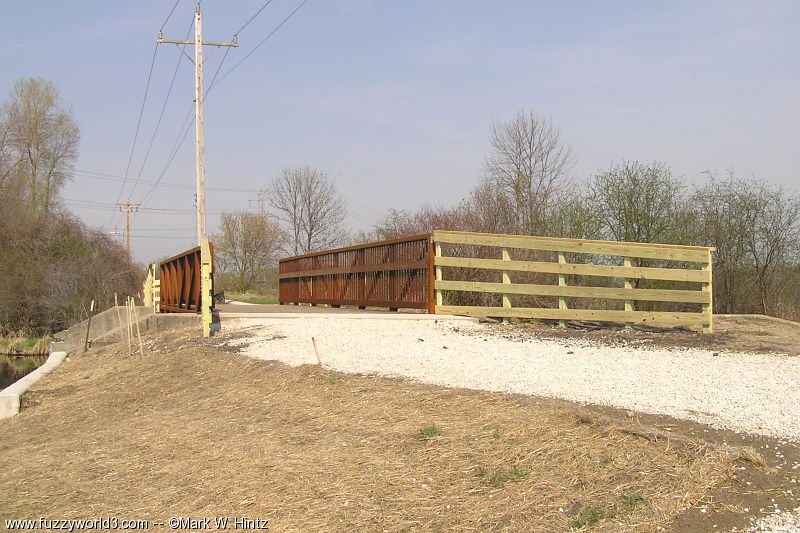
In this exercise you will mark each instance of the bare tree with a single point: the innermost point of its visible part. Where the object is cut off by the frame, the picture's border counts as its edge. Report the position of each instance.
(395, 223)
(755, 229)
(246, 246)
(530, 164)
(490, 210)
(308, 204)
(39, 139)
(775, 243)
(426, 219)
(6, 164)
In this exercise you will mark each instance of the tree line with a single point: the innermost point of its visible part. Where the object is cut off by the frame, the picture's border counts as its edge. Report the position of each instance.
(300, 212)
(51, 265)
(528, 187)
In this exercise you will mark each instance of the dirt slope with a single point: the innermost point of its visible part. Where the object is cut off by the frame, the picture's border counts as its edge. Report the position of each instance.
(192, 429)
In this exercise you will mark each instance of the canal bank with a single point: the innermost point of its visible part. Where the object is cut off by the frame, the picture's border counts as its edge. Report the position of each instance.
(112, 325)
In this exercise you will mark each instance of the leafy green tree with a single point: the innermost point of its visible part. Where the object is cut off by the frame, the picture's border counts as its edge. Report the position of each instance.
(38, 144)
(637, 203)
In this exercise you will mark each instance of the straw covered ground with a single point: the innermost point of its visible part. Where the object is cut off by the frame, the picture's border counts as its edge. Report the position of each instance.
(192, 429)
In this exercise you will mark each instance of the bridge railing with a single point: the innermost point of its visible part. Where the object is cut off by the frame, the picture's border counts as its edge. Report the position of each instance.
(180, 278)
(678, 277)
(395, 274)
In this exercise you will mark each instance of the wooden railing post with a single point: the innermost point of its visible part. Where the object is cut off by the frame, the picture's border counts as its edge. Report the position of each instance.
(157, 296)
(628, 285)
(708, 308)
(431, 278)
(506, 281)
(438, 249)
(206, 287)
(147, 295)
(562, 282)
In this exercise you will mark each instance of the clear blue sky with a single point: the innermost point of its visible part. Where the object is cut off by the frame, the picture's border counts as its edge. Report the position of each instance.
(394, 99)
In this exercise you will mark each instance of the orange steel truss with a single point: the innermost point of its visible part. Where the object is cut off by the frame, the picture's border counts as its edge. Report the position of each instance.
(180, 282)
(394, 274)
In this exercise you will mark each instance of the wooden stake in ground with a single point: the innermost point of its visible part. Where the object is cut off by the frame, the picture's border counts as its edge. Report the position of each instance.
(319, 361)
(119, 317)
(128, 312)
(88, 327)
(138, 331)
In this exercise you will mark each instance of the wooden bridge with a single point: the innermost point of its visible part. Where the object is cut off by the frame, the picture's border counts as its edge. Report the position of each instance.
(447, 272)
(475, 274)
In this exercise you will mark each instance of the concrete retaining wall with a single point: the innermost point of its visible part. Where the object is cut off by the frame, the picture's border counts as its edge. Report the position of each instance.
(10, 396)
(106, 328)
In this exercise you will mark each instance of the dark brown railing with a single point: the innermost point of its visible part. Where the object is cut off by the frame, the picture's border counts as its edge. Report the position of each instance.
(394, 274)
(180, 282)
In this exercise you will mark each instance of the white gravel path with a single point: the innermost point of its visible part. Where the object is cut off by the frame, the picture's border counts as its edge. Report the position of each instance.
(745, 392)
(775, 523)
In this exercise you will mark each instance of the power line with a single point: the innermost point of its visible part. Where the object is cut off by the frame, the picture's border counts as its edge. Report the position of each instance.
(138, 125)
(153, 210)
(270, 34)
(175, 147)
(368, 217)
(253, 17)
(102, 205)
(170, 14)
(187, 123)
(141, 110)
(211, 85)
(109, 177)
(163, 107)
(167, 237)
(182, 137)
(165, 229)
(214, 79)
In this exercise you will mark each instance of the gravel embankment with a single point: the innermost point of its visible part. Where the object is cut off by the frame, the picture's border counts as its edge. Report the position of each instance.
(745, 392)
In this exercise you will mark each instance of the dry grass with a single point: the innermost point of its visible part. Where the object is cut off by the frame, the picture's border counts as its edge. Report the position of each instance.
(198, 431)
(20, 345)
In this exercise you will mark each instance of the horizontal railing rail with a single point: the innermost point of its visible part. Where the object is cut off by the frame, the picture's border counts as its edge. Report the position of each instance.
(394, 274)
(684, 264)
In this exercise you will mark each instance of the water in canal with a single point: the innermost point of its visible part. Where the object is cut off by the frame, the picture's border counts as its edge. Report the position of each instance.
(14, 367)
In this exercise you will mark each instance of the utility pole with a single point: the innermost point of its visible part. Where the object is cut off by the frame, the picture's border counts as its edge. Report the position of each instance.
(198, 86)
(127, 208)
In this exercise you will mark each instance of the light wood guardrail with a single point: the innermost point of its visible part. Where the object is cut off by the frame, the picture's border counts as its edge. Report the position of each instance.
(151, 295)
(696, 256)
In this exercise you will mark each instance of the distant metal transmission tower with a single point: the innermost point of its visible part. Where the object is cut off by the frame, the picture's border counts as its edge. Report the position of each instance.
(198, 66)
